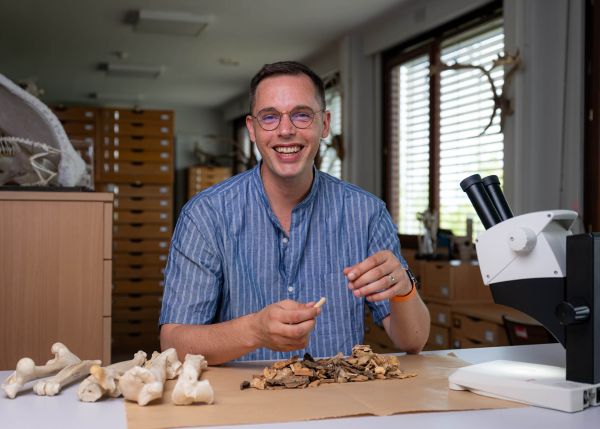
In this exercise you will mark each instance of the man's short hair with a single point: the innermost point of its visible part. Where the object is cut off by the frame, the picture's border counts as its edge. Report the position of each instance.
(292, 68)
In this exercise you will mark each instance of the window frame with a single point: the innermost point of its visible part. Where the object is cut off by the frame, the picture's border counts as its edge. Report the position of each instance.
(427, 43)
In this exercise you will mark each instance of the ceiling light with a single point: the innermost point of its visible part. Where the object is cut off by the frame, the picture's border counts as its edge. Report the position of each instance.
(166, 22)
(131, 70)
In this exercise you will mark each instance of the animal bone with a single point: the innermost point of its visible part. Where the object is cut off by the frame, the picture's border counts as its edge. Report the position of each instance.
(319, 304)
(188, 388)
(27, 371)
(146, 384)
(69, 374)
(104, 380)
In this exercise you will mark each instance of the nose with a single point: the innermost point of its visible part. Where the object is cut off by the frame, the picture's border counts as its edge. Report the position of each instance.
(285, 125)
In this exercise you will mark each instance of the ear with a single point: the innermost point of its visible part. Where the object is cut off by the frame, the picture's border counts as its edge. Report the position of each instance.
(250, 127)
(326, 123)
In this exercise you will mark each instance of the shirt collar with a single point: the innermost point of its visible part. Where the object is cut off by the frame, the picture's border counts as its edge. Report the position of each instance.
(312, 194)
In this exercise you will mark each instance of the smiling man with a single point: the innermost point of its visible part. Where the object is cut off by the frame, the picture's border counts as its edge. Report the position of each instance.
(251, 256)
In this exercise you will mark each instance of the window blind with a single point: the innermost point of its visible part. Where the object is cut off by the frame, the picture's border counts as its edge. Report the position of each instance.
(410, 113)
(466, 105)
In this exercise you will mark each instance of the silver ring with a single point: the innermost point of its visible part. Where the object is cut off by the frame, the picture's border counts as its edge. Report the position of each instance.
(392, 279)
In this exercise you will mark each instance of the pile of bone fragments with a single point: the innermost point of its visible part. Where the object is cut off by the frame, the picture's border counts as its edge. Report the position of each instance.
(293, 373)
(138, 379)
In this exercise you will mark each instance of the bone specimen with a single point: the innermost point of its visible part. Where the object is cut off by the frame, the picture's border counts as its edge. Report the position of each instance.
(27, 371)
(69, 374)
(104, 380)
(319, 304)
(363, 365)
(188, 388)
(144, 384)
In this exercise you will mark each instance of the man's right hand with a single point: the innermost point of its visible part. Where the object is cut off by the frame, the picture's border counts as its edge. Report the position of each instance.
(285, 325)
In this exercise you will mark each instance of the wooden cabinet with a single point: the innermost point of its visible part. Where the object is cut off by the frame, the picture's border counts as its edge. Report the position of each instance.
(55, 274)
(203, 177)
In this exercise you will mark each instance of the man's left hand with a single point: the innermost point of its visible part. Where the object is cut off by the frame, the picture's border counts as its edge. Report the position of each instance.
(379, 277)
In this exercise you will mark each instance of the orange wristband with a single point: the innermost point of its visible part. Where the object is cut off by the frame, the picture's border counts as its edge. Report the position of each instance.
(409, 295)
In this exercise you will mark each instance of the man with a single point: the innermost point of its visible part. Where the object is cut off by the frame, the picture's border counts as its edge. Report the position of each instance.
(250, 256)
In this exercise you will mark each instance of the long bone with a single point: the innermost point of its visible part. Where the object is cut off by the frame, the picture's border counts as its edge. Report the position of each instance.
(69, 374)
(104, 380)
(27, 370)
(146, 384)
(188, 388)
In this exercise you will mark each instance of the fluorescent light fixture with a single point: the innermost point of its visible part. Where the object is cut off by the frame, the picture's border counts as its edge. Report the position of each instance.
(132, 70)
(168, 22)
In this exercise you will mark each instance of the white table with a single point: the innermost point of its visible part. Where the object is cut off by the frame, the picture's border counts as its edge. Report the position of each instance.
(65, 411)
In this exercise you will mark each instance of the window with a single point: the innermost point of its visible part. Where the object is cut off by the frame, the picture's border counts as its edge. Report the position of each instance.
(331, 151)
(436, 121)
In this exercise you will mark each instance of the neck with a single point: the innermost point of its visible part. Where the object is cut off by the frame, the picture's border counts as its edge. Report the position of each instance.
(285, 194)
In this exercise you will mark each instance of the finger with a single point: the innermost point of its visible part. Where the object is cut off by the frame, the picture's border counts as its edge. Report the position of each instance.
(297, 316)
(400, 287)
(362, 267)
(380, 285)
(296, 331)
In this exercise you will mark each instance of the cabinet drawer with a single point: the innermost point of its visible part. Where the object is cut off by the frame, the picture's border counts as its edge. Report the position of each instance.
(125, 259)
(454, 283)
(439, 338)
(142, 231)
(481, 331)
(75, 113)
(137, 128)
(163, 116)
(440, 314)
(460, 342)
(128, 315)
(142, 216)
(139, 272)
(436, 280)
(142, 203)
(135, 341)
(133, 301)
(137, 142)
(136, 155)
(141, 327)
(79, 128)
(137, 190)
(139, 286)
(121, 169)
(139, 245)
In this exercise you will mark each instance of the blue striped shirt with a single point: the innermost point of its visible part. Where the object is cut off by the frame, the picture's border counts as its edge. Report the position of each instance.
(230, 257)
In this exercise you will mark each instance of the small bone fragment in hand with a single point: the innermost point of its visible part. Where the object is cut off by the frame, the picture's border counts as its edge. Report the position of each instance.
(188, 388)
(27, 371)
(319, 304)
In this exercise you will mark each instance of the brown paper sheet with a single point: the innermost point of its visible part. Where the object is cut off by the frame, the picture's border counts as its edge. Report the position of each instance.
(428, 391)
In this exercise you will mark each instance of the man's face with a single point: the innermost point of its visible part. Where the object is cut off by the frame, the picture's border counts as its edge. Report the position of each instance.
(288, 152)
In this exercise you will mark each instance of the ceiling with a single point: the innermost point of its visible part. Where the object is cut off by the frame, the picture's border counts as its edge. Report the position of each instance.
(59, 44)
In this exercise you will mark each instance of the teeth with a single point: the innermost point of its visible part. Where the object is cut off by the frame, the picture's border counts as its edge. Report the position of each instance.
(287, 149)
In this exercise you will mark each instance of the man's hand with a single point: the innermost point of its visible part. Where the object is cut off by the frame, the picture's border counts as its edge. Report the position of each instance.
(285, 325)
(379, 277)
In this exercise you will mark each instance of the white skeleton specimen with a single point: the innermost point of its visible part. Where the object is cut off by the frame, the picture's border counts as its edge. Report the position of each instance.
(188, 388)
(144, 384)
(105, 380)
(27, 371)
(69, 374)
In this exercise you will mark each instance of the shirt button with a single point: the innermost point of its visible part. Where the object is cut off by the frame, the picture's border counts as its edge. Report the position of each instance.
(290, 289)
(285, 240)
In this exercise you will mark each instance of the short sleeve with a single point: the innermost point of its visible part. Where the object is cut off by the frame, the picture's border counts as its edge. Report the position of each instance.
(383, 235)
(193, 276)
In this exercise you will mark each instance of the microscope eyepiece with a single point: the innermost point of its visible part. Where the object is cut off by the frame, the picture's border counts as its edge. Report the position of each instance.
(475, 190)
(492, 187)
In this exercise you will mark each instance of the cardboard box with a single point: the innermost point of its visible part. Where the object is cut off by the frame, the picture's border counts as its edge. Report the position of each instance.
(453, 282)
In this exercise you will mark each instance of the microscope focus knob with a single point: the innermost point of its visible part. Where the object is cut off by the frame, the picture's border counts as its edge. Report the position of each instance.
(569, 314)
(522, 240)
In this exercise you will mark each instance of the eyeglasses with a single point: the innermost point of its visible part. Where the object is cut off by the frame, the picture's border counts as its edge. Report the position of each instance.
(301, 117)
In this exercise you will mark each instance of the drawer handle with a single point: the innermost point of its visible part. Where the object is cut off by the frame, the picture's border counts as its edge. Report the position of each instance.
(134, 321)
(137, 211)
(135, 308)
(136, 240)
(137, 163)
(137, 124)
(137, 150)
(135, 253)
(135, 280)
(136, 267)
(137, 185)
(137, 198)
(137, 137)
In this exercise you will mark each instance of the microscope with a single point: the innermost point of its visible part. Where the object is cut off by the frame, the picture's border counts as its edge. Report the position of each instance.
(535, 264)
